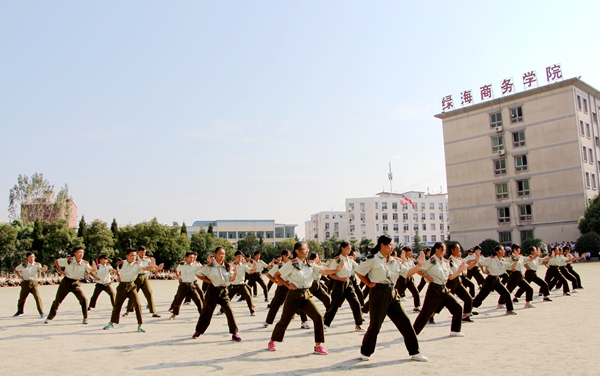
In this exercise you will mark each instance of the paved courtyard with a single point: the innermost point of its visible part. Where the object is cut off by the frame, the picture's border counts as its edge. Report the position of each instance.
(557, 338)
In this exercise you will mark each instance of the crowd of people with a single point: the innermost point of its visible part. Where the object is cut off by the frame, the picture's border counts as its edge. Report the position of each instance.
(374, 285)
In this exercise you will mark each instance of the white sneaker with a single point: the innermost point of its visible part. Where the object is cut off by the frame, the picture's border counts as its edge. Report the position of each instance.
(501, 306)
(305, 325)
(265, 325)
(575, 291)
(456, 334)
(363, 357)
(419, 358)
(529, 305)
(325, 327)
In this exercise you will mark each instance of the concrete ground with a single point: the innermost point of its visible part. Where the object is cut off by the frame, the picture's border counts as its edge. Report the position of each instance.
(556, 338)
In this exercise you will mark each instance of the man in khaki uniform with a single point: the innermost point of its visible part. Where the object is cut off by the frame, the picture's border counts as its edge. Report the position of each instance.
(142, 282)
(103, 277)
(28, 272)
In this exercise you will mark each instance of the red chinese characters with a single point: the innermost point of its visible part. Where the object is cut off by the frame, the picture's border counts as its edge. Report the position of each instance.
(466, 97)
(507, 86)
(529, 79)
(486, 92)
(553, 73)
(447, 103)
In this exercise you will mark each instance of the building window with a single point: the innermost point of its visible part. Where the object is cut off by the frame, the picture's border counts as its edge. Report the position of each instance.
(327, 235)
(424, 238)
(351, 218)
(591, 154)
(587, 180)
(585, 105)
(384, 216)
(396, 239)
(415, 217)
(326, 226)
(525, 212)
(385, 228)
(432, 226)
(495, 120)
(594, 181)
(352, 228)
(416, 227)
(424, 226)
(516, 115)
(395, 205)
(504, 215)
(587, 130)
(500, 166)
(336, 226)
(584, 152)
(423, 217)
(441, 206)
(363, 229)
(441, 227)
(501, 191)
(431, 206)
(395, 227)
(376, 216)
(406, 227)
(432, 216)
(523, 188)
(351, 206)
(497, 143)
(422, 206)
(581, 128)
(521, 163)
(405, 216)
(594, 118)
(505, 237)
(441, 216)
(527, 234)
(518, 139)
(376, 206)
(579, 103)
(384, 206)
(406, 239)
(442, 238)
(395, 216)
(433, 238)
(363, 217)
(362, 206)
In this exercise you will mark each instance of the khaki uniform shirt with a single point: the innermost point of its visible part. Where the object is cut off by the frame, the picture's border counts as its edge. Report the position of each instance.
(299, 273)
(495, 265)
(378, 270)
(103, 273)
(533, 265)
(348, 268)
(437, 269)
(145, 263)
(188, 271)
(218, 275)
(29, 271)
(129, 272)
(260, 265)
(73, 269)
(240, 278)
(455, 263)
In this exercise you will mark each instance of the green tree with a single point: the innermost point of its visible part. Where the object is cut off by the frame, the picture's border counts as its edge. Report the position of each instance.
(184, 229)
(211, 230)
(32, 199)
(591, 218)
(331, 247)
(487, 246)
(249, 243)
(286, 244)
(315, 247)
(82, 228)
(365, 246)
(529, 242)
(589, 242)
(8, 247)
(417, 245)
(98, 240)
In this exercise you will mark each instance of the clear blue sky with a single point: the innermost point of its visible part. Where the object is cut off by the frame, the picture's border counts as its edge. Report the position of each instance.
(194, 110)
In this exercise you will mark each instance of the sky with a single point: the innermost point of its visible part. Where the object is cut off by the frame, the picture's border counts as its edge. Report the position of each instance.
(205, 110)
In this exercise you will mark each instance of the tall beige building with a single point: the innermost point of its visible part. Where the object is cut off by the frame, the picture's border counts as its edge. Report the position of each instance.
(524, 165)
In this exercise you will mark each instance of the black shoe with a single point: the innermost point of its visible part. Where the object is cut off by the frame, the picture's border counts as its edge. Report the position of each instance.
(416, 310)
(540, 294)
(89, 309)
(268, 305)
(155, 315)
(240, 299)
(467, 319)
(431, 321)
(474, 313)
(515, 300)
(196, 335)
(547, 299)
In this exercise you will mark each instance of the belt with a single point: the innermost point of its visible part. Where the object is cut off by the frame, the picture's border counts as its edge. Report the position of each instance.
(218, 287)
(301, 290)
(384, 285)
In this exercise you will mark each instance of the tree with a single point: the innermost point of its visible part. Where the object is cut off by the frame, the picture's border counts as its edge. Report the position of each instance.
(315, 247)
(33, 198)
(529, 242)
(365, 246)
(591, 218)
(82, 227)
(589, 242)
(98, 240)
(114, 228)
(183, 229)
(417, 245)
(249, 243)
(331, 247)
(211, 231)
(8, 247)
(487, 246)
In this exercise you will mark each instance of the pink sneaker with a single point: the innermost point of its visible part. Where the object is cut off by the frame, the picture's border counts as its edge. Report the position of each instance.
(271, 346)
(320, 350)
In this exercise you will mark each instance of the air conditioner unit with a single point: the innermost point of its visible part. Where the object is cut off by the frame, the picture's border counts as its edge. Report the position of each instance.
(351, 233)
(502, 152)
(499, 129)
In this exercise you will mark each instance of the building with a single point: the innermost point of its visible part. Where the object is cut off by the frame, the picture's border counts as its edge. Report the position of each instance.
(394, 215)
(236, 229)
(48, 210)
(524, 165)
(326, 225)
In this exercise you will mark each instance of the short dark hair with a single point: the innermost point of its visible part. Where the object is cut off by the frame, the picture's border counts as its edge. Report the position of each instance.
(141, 248)
(102, 257)
(217, 249)
(131, 250)
(77, 249)
(29, 254)
(312, 256)
(189, 253)
(237, 253)
(256, 253)
(515, 246)
(247, 255)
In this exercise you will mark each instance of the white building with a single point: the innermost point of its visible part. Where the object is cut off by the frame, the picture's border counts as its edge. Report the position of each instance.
(394, 215)
(326, 225)
(236, 229)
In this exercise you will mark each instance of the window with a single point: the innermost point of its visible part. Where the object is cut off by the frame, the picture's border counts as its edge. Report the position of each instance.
(422, 206)
(432, 226)
(396, 239)
(521, 163)
(326, 226)
(523, 188)
(395, 216)
(394, 205)
(424, 226)
(363, 229)
(579, 103)
(405, 216)
(584, 151)
(587, 130)
(527, 234)
(516, 115)
(384, 206)
(433, 238)
(376, 216)
(424, 238)
(376, 206)
(415, 216)
(363, 217)
(585, 105)
(432, 216)
(395, 227)
(327, 235)
(518, 139)
(587, 180)
(362, 206)
(500, 166)
(594, 181)
(581, 128)
(406, 227)
(352, 228)
(350, 206)
(385, 228)
(497, 143)
(441, 227)
(423, 217)
(431, 206)
(441, 206)
(594, 118)
(442, 238)
(377, 227)
(525, 212)
(416, 227)
(591, 154)
(336, 226)
(505, 237)
(495, 119)
(441, 216)
(501, 191)
(406, 239)
(351, 218)
(504, 215)
(384, 216)
(405, 206)
(597, 142)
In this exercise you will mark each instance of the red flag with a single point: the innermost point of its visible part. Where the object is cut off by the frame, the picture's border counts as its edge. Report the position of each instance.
(409, 201)
(402, 202)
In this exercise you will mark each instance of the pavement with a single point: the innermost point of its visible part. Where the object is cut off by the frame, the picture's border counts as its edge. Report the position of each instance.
(556, 338)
